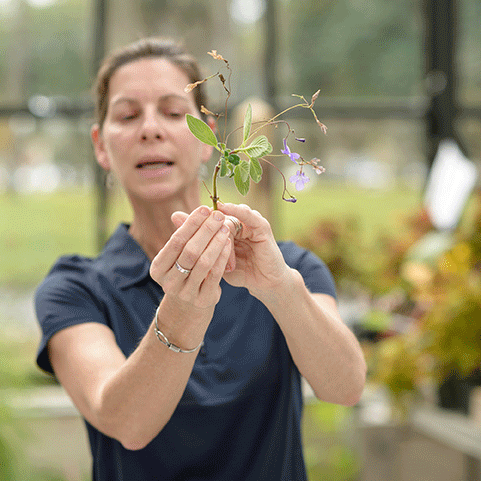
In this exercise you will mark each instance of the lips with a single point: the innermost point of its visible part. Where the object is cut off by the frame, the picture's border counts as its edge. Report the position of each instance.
(148, 164)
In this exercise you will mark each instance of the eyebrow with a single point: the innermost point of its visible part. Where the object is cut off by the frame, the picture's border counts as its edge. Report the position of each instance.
(131, 100)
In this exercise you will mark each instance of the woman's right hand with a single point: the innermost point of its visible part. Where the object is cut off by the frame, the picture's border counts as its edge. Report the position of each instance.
(124, 397)
(202, 246)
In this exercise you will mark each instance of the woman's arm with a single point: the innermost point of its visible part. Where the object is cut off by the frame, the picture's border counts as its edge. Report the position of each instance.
(326, 352)
(132, 399)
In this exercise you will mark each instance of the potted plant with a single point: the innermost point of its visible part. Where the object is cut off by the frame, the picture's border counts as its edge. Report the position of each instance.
(441, 345)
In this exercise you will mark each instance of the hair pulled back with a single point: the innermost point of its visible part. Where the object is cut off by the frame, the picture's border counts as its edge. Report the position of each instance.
(149, 47)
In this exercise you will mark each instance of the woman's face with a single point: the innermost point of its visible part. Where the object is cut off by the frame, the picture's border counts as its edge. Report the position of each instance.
(145, 140)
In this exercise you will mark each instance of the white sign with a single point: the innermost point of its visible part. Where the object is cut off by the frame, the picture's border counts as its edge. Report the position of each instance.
(450, 183)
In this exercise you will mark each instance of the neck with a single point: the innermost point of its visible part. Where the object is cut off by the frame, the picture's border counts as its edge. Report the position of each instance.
(152, 226)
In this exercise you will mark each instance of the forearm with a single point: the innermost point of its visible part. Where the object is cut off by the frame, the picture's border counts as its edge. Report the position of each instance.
(139, 399)
(325, 351)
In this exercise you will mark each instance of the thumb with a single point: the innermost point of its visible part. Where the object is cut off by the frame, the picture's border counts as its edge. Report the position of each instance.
(178, 218)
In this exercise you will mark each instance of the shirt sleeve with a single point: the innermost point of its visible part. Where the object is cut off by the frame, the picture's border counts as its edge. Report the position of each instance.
(316, 274)
(63, 301)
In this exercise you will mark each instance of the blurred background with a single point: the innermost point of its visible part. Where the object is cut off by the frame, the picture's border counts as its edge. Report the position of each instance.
(396, 216)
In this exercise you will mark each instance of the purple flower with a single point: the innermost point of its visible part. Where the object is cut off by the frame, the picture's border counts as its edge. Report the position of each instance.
(300, 179)
(292, 155)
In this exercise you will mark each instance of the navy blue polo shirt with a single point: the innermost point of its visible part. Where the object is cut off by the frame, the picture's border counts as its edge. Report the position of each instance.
(240, 415)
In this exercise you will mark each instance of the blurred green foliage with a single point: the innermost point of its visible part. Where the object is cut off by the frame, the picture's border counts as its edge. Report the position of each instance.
(45, 50)
(440, 300)
(328, 449)
(357, 48)
(17, 373)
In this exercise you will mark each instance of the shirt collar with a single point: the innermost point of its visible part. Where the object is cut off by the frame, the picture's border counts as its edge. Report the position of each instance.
(125, 261)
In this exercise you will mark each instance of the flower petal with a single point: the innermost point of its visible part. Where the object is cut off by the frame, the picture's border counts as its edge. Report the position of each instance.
(294, 178)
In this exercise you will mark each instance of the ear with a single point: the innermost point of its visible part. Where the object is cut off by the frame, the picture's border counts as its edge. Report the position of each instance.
(208, 149)
(99, 147)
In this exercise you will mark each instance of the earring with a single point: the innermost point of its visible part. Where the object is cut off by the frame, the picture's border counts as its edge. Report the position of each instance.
(109, 180)
(203, 172)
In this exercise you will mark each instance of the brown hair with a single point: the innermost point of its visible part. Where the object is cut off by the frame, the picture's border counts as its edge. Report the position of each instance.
(148, 47)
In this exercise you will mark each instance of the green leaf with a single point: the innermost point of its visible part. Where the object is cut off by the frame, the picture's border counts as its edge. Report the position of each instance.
(223, 167)
(247, 123)
(255, 170)
(260, 146)
(243, 168)
(242, 187)
(201, 130)
(241, 183)
(234, 159)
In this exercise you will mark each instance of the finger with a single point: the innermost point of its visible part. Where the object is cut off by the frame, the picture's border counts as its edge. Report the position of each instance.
(218, 269)
(208, 258)
(231, 262)
(235, 228)
(174, 246)
(178, 218)
(199, 242)
(189, 275)
(235, 225)
(251, 219)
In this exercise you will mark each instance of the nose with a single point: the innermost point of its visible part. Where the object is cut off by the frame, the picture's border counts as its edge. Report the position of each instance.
(152, 128)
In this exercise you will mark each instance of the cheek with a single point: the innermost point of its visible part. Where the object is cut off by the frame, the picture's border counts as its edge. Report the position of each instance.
(117, 141)
(189, 142)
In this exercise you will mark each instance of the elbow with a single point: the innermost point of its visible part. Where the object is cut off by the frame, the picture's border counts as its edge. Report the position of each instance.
(130, 433)
(130, 427)
(353, 397)
(356, 381)
(136, 441)
(134, 445)
(356, 386)
(349, 392)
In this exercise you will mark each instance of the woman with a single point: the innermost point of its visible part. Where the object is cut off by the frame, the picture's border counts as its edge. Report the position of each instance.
(183, 343)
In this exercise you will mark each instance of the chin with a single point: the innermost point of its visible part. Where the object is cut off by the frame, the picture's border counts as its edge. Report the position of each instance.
(166, 193)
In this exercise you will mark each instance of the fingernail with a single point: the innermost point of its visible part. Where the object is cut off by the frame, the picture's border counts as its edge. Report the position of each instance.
(218, 215)
(204, 211)
(225, 229)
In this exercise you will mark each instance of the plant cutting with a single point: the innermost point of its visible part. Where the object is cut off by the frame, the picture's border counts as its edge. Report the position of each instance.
(243, 163)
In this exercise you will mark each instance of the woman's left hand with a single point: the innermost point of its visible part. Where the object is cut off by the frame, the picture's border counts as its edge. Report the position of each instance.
(259, 264)
(323, 348)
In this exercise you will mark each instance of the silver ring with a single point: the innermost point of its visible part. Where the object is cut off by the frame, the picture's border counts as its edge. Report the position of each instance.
(181, 269)
(237, 224)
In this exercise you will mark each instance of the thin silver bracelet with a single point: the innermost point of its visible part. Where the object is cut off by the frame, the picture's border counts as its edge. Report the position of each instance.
(163, 339)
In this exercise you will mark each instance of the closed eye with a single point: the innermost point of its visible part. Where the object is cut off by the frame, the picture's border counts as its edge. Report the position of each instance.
(174, 114)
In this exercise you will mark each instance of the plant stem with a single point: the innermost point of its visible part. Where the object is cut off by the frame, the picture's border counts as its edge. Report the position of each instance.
(214, 186)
